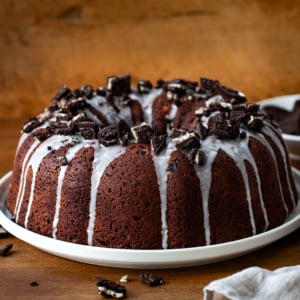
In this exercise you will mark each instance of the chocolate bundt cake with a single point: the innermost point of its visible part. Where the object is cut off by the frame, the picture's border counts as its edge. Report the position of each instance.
(182, 164)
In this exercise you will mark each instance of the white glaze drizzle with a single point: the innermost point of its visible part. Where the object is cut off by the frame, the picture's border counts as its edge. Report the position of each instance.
(69, 156)
(21, 141)
(103, 156)
(23, 176)
(146, 101)
(161, 164)
(262, 139)
(55, 142)
(237, 149)
(252, 162)
(269, 132)
(204, 174)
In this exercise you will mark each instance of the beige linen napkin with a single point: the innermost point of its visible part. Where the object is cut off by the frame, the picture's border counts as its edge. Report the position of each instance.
(257, 284)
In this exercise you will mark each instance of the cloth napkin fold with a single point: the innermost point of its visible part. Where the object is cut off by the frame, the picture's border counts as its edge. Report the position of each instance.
(257, 284)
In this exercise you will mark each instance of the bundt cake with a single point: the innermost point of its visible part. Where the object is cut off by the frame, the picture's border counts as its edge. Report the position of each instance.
(181, 164)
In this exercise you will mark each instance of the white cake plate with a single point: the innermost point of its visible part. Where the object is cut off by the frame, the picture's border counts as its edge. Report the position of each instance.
(147, 259)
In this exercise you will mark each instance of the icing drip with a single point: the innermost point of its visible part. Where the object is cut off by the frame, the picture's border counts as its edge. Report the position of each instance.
(55, 142)
(204, 174)
(239, 152)
(269, 132)
(261, 138)
(23, 178)
(252, 162)
(161, 165)
(103, 156)
(35, 160)
(146, 101)
(69, 156)
(106, 109)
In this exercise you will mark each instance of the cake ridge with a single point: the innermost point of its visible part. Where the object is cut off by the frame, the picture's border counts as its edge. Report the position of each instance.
(268, 130)
(161, 163)
(72, 151)
(25, 168)
(267, 145)
(35, 161)
(103, 156)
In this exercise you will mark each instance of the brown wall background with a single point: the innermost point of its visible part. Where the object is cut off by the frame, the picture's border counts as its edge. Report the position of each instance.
(251, 45)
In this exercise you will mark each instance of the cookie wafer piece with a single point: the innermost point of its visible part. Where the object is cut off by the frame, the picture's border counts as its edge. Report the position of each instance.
(110, 289)
(151, 280)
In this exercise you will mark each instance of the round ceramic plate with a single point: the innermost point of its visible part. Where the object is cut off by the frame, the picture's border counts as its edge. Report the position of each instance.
(146, 259)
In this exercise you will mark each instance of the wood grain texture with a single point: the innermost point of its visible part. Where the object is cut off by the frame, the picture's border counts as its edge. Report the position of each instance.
(63, 279)
(251, 45)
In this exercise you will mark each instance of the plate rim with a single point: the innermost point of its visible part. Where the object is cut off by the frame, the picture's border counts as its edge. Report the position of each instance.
(290, 99)
(157, 258)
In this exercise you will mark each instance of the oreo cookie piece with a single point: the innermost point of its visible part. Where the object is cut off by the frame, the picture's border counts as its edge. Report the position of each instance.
(6, 250)
(158, 143)
(119, 85)
(31, 124)
(256, 122)
(142, 133)
(108, 135)
(151, 280)
(222, 127)
(42, 135)
(184, 140)
(213, 87)
(172, 166)
(197, 156)
(144, 86)
(110, 289)
(63, 92)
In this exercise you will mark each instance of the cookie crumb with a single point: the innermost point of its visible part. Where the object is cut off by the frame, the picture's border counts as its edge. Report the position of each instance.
(151, 280)
(6, 250)
(124, 279)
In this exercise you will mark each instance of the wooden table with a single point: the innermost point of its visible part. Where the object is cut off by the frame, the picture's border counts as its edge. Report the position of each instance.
(253, 46)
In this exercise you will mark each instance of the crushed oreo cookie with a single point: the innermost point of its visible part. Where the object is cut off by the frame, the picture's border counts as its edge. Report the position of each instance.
(63, 92)
(172, 166)
(87, 91)
(196, 156)
(6, 250)
(178, 89)
(223, 127)
(124, 279)
(142, 133)
(110, 288)
(184, 140)
(144, 86)
(213, 87)
(119, 85)
(200, 130)
(158, 143)
(256, 122)
(108, 135)
(220, 111)
(151, 280)
(42, 135)
(31, 124)
(100, 91)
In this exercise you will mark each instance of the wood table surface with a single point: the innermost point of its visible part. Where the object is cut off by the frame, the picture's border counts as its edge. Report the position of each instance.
(250, 45)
